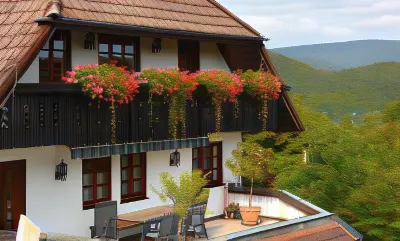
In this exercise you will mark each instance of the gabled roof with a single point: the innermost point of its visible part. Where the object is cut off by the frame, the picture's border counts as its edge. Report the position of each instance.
(20, 38)
(204, 16)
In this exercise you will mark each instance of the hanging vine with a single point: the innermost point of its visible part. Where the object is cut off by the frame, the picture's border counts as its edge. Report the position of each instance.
(105, 82)
(222, 86)
(263, 86)
(177, 87)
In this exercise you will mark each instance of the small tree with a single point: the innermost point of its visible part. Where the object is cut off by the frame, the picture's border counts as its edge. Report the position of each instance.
(184, 194)
(250, 161)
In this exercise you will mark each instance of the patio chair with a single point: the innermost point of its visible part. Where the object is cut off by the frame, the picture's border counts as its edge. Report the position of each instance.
(102, 213)
(163, 227)
(194, 220)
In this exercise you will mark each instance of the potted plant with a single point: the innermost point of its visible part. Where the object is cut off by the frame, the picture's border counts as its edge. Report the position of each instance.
(232, 210)
(250, 161)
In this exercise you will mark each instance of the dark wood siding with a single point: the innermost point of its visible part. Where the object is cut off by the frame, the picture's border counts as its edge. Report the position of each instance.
(41, 115)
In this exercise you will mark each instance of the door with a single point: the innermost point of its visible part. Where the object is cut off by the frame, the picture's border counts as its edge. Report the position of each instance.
(12, 193)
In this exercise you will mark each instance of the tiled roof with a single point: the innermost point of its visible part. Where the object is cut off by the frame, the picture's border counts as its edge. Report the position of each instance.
(326, 232)
(204, 16)
(20, 37)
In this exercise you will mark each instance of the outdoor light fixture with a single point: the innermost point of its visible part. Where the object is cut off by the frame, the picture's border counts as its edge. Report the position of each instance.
(156, 46)
(90, 42)
(61, 171)
(175, 158)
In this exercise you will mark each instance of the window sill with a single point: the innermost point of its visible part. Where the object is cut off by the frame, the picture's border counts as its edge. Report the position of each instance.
(133, 199)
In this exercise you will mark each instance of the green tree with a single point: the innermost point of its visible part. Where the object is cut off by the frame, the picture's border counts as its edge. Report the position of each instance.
(250, 160)
(188, 191)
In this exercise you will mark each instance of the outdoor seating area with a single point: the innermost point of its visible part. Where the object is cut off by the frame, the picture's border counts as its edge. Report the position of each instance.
(149, 224)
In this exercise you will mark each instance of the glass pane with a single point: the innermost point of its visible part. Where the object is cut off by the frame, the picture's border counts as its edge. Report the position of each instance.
(129, 61)
(124, 188)
(124, 161)
(129, 49)
(58, 44)
(137, 172)
(215, 150)
(206, 151)
(215, 175)
(9, 216)
(207, 163)
(58, 65)
(102, 192)
(136, 159)
(8, 199)
(124, 174)
(103, 48)
(43, 65)
(103, 58)
(102, 177)
(195, 153)
(116, 48)
(118, 58)
(88, 194)
(86, 166)
(137, 186)
(195, 164)
(87, 179)
(215, 162)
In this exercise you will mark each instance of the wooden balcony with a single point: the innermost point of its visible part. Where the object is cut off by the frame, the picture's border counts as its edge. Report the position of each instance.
(59, 114)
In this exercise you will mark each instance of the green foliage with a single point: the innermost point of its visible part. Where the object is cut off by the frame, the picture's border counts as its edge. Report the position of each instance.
(359, 176)
(358, 90)
(187, 192)
(391, 112)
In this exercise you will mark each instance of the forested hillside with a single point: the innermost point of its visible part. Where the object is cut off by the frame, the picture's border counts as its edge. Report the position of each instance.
(358, 90)
(344, 55)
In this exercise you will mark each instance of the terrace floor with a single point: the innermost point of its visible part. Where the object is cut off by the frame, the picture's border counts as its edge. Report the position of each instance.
(220, 228)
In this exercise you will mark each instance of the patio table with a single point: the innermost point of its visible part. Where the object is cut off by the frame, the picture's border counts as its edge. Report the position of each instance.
(134, 219)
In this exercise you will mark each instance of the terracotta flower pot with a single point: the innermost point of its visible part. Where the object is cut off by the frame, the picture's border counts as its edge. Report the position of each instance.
(250, 215)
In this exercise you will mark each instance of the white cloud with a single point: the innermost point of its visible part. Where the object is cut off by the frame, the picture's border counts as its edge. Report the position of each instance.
(296, 22)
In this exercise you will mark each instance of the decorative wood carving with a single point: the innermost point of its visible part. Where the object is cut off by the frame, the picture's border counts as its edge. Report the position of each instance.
(90, 41)
(156, 46)
(55, 114)
(41, 114)
(4, 118)
(78, 114)
(26, 116)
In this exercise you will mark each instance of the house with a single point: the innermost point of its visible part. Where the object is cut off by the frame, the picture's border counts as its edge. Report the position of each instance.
(46, 124)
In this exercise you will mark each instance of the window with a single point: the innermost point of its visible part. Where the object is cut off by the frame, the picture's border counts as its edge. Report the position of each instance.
(189, 55)
(133, 177)
(209, 160)
(54, 57)
(124, 50)
(96, 181)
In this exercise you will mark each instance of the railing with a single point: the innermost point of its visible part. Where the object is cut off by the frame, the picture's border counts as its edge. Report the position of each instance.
(53, 114)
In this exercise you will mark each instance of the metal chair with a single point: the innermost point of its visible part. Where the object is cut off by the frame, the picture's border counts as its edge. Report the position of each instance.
(194, 219)
(102, 213)
(163, 227)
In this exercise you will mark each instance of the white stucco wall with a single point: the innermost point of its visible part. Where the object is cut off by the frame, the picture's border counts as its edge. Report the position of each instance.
(31, 75)
(56, 206)
(271, 207)
(168, 58)
(80, 55)
(211, 58)
(230, 141)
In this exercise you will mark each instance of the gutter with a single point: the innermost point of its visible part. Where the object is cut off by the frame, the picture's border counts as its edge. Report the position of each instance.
(55, 18)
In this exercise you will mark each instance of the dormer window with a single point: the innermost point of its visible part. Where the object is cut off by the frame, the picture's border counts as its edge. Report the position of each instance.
(54, 57)
(122, 49)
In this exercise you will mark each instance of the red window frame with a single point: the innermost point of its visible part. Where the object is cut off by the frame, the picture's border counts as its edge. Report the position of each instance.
(94, 167)
(123, 42)
(132, 194)
(202, 155)
(50, 48)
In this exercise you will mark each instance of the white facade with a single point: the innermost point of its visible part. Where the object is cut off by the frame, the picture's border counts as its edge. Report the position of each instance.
(56, 206)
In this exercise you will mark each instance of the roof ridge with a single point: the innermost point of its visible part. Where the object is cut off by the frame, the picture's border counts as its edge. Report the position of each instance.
(232, 15)
(53, 8)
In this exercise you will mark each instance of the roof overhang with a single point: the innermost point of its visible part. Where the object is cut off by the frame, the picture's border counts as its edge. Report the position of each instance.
(71, 23)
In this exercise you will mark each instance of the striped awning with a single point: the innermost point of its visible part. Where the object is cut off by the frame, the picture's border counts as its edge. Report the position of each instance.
(109, 150)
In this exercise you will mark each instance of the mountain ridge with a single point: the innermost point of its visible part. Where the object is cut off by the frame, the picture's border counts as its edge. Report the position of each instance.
(344, 55)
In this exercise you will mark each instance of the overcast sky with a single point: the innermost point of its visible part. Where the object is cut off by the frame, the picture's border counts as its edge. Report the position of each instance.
(298, 22)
